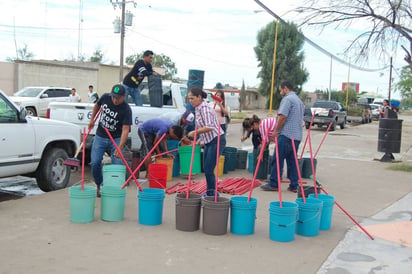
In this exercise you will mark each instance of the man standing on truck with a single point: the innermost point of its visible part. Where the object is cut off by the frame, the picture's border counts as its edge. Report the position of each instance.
(134, 78)
(290, 124)
(116, 116)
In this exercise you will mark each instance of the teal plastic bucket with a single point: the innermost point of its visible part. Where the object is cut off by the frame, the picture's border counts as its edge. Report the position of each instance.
(151, 206)
(282, 225)
(250, 167)
(112, 205)
(82, 204)
(114, 175)
(242, 215)
(327, 210)
(309, 217)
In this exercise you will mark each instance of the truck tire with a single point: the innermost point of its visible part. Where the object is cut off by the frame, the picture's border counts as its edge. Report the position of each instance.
(333, 126)
(31, 111)
(52, 174)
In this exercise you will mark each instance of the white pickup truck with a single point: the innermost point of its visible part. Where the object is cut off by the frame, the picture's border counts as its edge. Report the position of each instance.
(35, 147)
(174, 95)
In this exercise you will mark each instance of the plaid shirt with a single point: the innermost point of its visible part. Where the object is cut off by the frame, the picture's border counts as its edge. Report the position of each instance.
(292, 107)
(206, 117)
(268, 124)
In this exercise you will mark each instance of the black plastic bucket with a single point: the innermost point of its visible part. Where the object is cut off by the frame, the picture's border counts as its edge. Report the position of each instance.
(187, 212)
(215, 215)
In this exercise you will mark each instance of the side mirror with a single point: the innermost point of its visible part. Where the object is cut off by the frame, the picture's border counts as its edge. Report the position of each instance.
(22, 114)
(44, 95)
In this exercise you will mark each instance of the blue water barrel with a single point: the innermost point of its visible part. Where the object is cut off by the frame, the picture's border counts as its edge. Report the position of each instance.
(195, 79)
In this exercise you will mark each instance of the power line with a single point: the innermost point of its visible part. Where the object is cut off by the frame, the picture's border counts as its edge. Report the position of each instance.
(316, 46)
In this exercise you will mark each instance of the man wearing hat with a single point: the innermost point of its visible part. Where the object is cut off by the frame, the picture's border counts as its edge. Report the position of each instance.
(116, 116)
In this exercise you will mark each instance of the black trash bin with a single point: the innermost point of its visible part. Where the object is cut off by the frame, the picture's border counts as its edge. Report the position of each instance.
(389, 140)
(155, 91)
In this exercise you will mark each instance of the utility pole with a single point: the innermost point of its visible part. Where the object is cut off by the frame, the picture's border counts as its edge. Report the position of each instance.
(330, 77)
(122, 5)
(390, 81)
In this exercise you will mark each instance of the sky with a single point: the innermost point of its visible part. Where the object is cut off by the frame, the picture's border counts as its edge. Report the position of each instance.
(215, 36)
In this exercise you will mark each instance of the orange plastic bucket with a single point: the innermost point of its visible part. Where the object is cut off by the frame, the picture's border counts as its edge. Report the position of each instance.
(158, 175)
(169, 163)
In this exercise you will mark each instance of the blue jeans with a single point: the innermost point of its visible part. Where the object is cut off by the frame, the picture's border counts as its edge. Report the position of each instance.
(100, 145)
(285, 153)
(134, 93)
(222, 138)
(209, 164)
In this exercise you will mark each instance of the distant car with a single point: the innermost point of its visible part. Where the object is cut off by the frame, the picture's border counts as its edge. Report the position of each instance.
(326, 112)
(376, 111)
(36, 99)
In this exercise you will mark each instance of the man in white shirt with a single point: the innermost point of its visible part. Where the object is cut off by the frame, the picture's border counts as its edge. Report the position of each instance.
(74, 97)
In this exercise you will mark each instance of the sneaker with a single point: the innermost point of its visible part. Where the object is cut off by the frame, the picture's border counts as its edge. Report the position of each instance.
(268, 187)
(294, 190)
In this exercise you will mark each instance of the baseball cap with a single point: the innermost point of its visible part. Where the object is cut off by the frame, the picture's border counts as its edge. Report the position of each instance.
(189, 117)
(118, 91)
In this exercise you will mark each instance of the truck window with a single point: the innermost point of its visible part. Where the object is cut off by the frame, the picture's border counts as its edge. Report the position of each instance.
(7, 113)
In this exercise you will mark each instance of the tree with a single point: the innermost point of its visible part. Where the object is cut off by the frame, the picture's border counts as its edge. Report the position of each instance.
(289, 58)
(22, 54)
(97, 56)
(386, 24)
(159, 60)
(405, 83)
(242, 96)
(218, 86)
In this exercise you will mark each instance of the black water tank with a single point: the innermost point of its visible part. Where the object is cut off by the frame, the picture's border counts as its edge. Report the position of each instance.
(155, 91)
(390, 133)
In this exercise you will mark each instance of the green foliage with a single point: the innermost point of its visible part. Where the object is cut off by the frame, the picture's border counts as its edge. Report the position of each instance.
(401, 167)
(159, 60)
(340, 96)
(289, 58)
(242, 97)
(97, 56)
(405, 83)
(22, 54)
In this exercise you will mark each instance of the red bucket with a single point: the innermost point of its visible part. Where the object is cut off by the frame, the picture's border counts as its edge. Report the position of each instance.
(158, 175)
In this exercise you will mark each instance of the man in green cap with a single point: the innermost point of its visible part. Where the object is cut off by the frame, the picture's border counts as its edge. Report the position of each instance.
(116, 116)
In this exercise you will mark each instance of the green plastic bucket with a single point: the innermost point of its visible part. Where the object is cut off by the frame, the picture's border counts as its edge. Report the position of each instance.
(185, 156)
(242, 215)
(114, 175)
(327, 210)
(82, 204)
(282, 224)
(151, 206)
(112, 205)
(309, 217)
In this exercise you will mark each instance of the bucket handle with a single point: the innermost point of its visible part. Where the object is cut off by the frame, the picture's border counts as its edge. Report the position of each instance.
(309, 219)
(284, 225)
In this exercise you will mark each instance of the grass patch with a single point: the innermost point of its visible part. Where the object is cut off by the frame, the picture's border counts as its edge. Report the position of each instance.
(238, 115)
(400, 167)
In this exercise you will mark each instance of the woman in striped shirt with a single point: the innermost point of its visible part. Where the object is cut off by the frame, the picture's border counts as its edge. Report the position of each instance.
(207, 128)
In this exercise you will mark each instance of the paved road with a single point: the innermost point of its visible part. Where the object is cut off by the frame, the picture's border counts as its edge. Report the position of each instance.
(37, 236)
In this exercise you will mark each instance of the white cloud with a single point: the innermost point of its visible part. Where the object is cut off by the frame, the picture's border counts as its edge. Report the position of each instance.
(216, 36)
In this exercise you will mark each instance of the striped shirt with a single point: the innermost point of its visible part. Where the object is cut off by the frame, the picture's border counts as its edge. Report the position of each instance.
(206, 117)
(292, 107)
(267, 126)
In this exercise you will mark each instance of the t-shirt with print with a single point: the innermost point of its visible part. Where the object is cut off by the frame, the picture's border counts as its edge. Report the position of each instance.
(156, 126)
(113, 117)
(139, 71)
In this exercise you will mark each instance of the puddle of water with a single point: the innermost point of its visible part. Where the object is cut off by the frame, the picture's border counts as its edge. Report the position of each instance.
(20, 186)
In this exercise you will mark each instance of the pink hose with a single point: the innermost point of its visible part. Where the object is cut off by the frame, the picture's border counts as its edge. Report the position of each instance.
(307, 136)
(217, 162)
(313, 167)
(83, 156)
(191, 164)
(278, 169)
(298, 169)
(323, 139)
(144, 160)
(123, 159)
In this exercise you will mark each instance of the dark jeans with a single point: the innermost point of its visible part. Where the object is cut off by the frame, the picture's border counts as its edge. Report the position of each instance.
(222, 146)
(285, 153)
(209, 163)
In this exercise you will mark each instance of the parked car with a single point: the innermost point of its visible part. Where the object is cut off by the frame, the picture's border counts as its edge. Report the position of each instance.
(35, 147)
(325, 113)
(36, 99)
(376, 111)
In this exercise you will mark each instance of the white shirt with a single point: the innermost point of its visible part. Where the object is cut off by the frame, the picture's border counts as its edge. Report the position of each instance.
(74, 98)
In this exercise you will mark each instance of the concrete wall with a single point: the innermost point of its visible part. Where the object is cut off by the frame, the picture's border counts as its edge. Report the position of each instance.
(7, 76)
